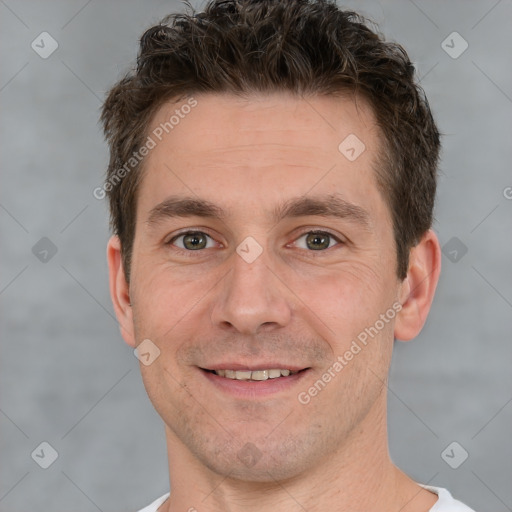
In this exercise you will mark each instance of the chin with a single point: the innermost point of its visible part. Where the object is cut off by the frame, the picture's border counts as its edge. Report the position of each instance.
(266, 470)
(260, 460)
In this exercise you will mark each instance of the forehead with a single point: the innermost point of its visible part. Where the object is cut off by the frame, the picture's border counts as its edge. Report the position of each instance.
(223, 119)
(261, 148)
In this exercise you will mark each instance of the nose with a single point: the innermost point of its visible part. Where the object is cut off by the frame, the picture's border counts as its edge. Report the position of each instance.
(252, 298)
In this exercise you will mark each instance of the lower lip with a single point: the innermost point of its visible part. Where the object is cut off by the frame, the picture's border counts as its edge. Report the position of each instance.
(254, 389)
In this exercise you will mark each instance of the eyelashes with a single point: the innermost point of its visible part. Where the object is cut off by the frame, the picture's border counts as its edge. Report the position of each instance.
(319, 237)
(192, 241)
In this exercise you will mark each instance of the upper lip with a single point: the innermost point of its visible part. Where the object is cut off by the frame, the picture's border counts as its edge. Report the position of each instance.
(255, 366)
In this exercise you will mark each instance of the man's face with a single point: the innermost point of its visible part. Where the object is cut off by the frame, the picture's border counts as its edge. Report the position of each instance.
(271, 172)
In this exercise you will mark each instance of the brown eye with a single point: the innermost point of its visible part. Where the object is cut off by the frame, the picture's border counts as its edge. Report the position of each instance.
(316, 241)
(191, 241)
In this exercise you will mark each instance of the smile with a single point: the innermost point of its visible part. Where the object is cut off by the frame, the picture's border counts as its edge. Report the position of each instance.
(254, 383)
(255, 375)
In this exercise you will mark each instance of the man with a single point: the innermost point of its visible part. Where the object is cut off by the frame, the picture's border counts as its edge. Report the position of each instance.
(271, 184)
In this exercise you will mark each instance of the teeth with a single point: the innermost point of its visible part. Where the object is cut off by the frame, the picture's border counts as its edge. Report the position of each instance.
(259, 375)
(253, 375)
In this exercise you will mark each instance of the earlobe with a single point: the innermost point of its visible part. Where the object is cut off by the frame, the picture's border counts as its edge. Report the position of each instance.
(119, 290)
(419, 286)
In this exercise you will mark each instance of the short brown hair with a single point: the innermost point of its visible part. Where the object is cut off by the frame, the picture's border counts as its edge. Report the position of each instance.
(300, 46)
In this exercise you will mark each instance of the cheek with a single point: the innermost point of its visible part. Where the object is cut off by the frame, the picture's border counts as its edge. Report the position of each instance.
(167, 297)
(345, 300)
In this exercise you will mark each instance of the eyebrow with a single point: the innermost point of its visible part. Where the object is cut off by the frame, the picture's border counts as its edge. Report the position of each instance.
(332, 205)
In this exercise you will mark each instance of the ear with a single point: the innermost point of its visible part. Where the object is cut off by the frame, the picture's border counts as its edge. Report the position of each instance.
(120, 291)
(418, 288)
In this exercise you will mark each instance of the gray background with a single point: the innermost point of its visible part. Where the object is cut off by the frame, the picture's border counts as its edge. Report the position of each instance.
(66, 375)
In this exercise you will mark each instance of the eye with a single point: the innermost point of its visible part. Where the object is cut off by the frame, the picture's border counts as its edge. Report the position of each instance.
(316, 241)
(192, 241)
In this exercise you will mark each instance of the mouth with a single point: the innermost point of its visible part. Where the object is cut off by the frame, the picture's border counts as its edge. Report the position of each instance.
(254, 375)
(244, 382)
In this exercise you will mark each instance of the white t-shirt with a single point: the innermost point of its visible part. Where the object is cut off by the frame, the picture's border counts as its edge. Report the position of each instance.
(445, 502)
